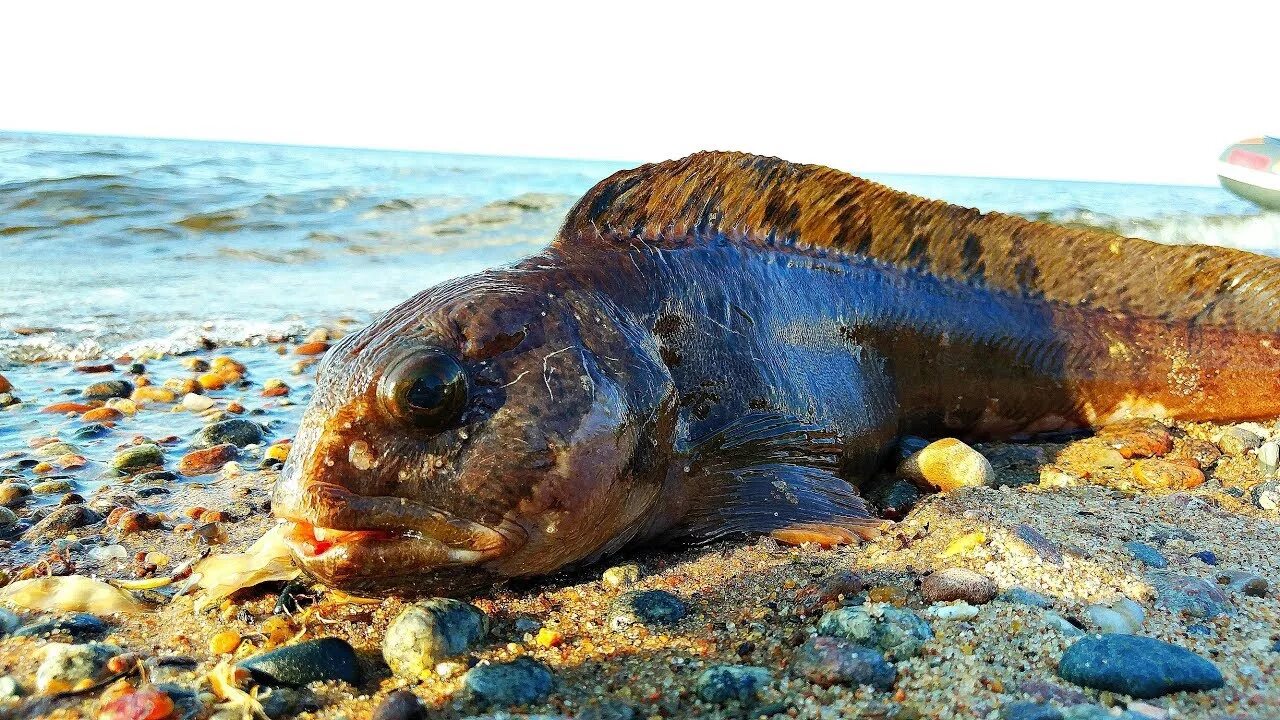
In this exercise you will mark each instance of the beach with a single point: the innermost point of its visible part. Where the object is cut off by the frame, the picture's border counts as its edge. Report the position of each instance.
(163, 314)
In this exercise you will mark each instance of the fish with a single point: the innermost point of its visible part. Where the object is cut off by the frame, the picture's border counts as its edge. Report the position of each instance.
(727, 345)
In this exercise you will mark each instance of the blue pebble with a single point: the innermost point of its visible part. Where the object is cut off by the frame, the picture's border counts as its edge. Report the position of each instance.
(1199, 629)
(1146, 554)
(1134, 665)
(522, 681)
(1205, 556)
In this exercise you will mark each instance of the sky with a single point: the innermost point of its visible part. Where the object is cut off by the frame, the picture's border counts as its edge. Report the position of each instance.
(1119, 91)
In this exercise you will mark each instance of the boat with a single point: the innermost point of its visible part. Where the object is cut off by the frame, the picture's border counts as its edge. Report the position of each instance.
(1250, 169)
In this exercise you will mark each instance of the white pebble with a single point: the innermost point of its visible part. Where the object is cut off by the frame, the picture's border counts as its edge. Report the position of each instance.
(954, 611)
(197, 403)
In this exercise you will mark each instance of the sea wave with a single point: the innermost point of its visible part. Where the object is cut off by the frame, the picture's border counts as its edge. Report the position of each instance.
(1256, 233)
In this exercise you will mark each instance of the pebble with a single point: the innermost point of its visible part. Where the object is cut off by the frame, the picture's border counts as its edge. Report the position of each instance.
(722, 683)
(897, 632)
(1146, 555)
(153, 393)
(142, 703)
(65, 665)
(9, 621)
(138, 457)
(1030, 711)
(1206, 556)
(951, 611)
(426, 633)
(328, 658)
(5, 385)
(8, 518)
(13, 493)
(1269, 456)
(1243, 582)
(283, 702)
(1266, 495)
(948, 464)
(197, 403)
(90, 431)
(400, 705)
(207, 461)
(1124, 616)
(828, 661)
(102, 414)
(54, 449)
(1139, 438)
(621, 575)
(647, 607)
(62, 521)
(1041, 545)
(236, 431)
(958, 584)
(1190, 595)
(1164, 475)
(1238, 441)
(51, 487)
(1061, 624)
(108, 389)
(78, 626)
(224, 642)
(1134, 665)
(895, 498)
(522, 681)
(9, 688)
(1023, 596)
(275, 387)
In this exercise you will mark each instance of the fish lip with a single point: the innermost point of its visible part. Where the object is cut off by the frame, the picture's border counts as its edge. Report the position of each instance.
(387, 535)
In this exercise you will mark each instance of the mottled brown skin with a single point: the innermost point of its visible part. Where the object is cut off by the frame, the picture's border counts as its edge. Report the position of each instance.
(729, 344)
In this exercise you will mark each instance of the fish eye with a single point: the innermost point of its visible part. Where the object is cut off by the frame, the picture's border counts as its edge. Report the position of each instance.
(427, 389)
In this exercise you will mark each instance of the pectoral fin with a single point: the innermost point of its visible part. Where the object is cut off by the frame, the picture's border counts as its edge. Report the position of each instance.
(768, 473)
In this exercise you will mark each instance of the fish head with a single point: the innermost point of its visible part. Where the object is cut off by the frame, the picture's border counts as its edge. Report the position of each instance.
(489, 427)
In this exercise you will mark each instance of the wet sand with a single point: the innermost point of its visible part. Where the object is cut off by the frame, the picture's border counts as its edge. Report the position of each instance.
(752, 601)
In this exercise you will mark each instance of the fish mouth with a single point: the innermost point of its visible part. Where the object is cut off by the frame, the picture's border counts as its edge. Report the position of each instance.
(382, 543)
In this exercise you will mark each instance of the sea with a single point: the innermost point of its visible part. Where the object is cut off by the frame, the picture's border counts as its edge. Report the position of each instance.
(125, 246)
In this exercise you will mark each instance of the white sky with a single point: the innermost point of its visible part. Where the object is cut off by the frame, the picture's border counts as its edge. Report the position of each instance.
(1086, 90)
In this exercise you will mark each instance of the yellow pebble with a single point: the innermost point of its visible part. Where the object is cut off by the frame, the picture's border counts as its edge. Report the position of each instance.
(549, 638)
(83, 683)
(965, 543)
(157, 558)
(124, 405)
(152, 393)
(225, 642)
(279, 451)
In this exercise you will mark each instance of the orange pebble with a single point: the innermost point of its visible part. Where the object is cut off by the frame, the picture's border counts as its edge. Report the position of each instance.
(312, 348)
(102, 414)
(66, 407)
(224, 642)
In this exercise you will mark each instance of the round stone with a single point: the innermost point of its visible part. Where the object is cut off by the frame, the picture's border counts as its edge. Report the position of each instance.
(828, 661)
(958, 584)
(1135, 665)
(522, 681)
(897, 632)
(722, 683)
(647, 607)
(426, 633)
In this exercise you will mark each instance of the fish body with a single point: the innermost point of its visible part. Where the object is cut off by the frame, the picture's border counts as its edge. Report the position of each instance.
(731, 344)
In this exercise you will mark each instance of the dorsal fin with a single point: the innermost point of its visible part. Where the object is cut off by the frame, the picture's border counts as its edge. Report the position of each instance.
(811, 209)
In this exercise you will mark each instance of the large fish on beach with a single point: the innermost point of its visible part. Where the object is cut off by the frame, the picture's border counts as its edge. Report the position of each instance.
(730, 344)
